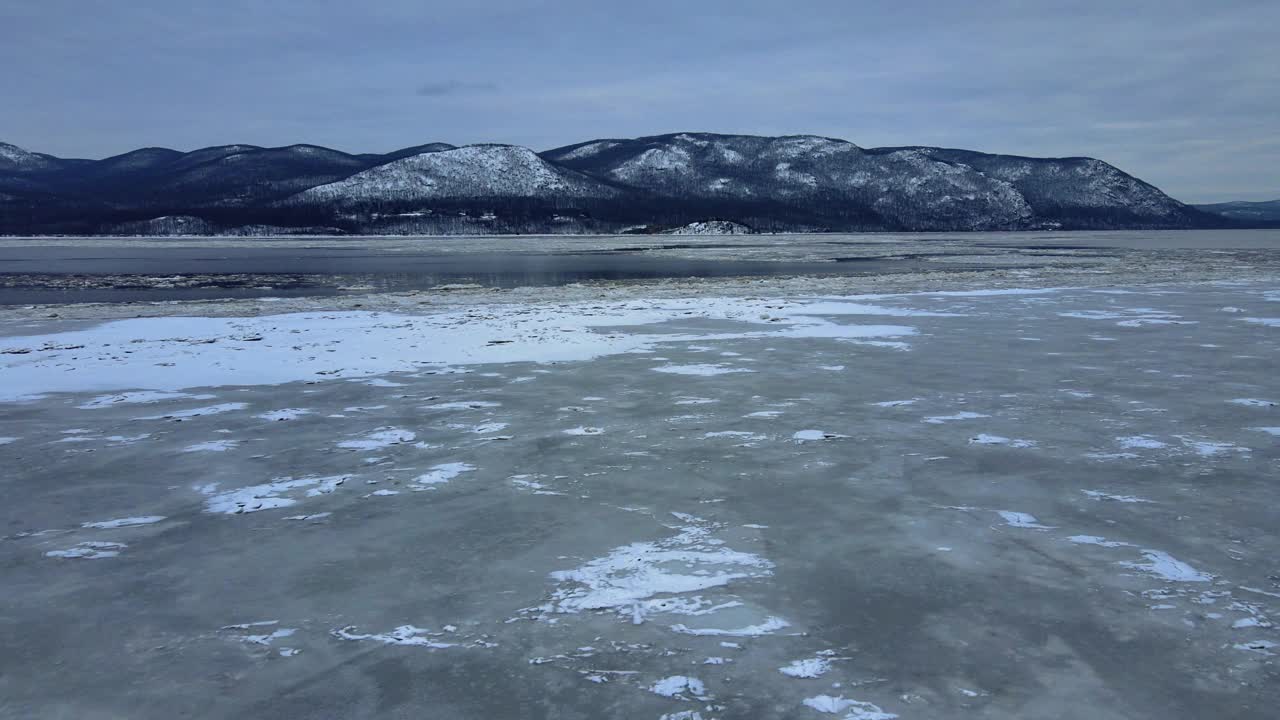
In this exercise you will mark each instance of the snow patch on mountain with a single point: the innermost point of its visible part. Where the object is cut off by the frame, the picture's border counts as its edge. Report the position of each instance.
(475, 171)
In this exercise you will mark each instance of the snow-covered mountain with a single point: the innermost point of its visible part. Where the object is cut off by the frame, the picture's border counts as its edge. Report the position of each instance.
(838, 183)
(475, 171)
(1071, 189)
(792, 183)
(15, 159)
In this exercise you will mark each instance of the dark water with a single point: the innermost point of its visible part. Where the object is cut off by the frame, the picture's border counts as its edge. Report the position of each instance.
(33, 275)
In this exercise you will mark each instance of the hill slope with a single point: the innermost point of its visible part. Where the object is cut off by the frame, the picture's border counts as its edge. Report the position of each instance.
(1262, 212)
(475, 171)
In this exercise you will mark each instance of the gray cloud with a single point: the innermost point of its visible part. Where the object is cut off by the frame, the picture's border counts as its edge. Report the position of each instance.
(1178, 92)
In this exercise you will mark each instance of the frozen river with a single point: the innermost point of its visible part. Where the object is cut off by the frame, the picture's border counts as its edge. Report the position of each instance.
(70, 270)
(1043, 503)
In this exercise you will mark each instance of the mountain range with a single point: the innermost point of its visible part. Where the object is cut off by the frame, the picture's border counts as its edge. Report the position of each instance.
(796, 183)
(1265, 213)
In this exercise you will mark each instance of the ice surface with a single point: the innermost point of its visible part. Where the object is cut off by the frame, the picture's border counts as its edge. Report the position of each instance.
(1254, 402)
(124, 522)
(854, 709)
(962, 415)
(402, 635)
(355, 344)
(583, 430)
(679, 686)
(279, 493)
(806, 668)
(985, 439)
(442, 473)
(197, 412)
(464, 405)
(812, 435)
(285, 414)
(1021, 520)
(1099, 495)
(1140, 442)
(768, 627)
(90, 550)
(1095, 540)
(1269, 322)
(643, 570)
(381, 438)
(700, 369)
(143, 396)
(1166, 566)
(212, 446)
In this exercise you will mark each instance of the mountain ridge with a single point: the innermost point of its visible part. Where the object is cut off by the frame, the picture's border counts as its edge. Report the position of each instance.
(790, 183)
(1262, 213)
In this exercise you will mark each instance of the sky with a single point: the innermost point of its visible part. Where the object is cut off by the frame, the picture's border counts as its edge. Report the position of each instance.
(1185, 95)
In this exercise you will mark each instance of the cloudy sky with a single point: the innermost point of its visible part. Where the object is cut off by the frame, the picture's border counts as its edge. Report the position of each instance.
(1183, 94)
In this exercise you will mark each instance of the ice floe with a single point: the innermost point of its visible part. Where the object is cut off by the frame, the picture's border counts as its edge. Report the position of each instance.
(1166, 566)
(815, 435)
(699, 369)
(1130, 317)
(139, 397)
(734, 434)
(853, 709)
(89, 550)
(679, 687)
(311, 517)
(380, 438)
(442, 473)
(1095, 540)
(1260, 647)
(1099, 495)
(985, 439)
(962, 415)
(402, 635)
(212, 446)
(198, 412)
(583, 430)
(124, 522)
(1253, 402)
(807, 668)
(464, 405)
(279, 493)
(895, 403)
(1021, 520)
(285, 414)
(664, 577)
(769, 626)
(537, 488)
